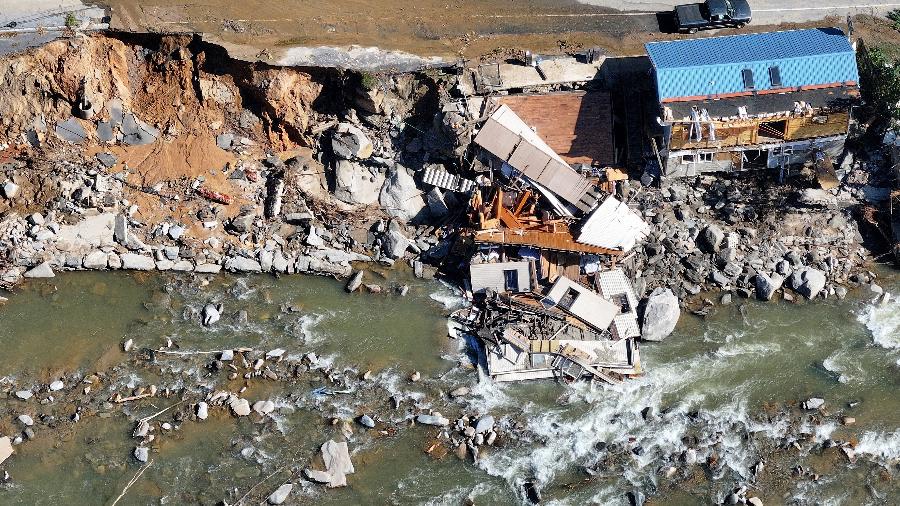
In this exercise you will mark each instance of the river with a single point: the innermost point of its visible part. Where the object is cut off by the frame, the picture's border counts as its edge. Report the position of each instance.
(724, 386)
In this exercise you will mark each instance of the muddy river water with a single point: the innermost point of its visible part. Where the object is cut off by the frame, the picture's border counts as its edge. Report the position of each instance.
(721, 385)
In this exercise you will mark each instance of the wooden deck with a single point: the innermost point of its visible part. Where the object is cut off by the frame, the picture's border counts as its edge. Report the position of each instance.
(556, 241)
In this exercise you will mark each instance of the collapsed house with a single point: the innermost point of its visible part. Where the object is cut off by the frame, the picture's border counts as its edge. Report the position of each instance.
(547, 234)
(763, 100)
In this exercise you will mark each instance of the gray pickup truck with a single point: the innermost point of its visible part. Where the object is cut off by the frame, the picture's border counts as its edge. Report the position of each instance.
(712, 14)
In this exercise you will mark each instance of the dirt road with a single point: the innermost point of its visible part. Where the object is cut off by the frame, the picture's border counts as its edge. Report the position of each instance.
(449, 29)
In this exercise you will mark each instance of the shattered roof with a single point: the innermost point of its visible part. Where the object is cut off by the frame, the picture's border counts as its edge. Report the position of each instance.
(576, 125)
(509, 138)
(715, 65)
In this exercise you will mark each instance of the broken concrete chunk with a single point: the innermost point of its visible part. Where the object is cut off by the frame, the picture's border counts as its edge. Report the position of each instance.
(107, 159)
(224, 141)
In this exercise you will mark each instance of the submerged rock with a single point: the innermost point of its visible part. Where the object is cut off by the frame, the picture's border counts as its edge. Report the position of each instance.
(280, 494)
(211, 314)
(436, 419)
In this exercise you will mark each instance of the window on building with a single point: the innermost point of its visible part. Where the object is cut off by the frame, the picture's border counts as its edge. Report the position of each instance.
(511, 280)
(698, 157)
(749, 84)
(568, 299)
(775, 76)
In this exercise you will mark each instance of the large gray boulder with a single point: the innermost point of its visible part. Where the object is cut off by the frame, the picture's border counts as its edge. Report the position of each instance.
(394, 244)
(400, 197)
(349, 142)
(660, 315)
(135, 262)
(767, 285)
(242, 264)
(808, 282)
(357, 184)
(711, 238)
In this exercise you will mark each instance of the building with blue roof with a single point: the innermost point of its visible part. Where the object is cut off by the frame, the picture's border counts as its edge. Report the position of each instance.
(756, 100)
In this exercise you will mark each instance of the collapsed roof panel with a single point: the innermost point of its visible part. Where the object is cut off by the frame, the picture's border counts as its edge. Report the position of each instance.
(613, 225)
(507, 137)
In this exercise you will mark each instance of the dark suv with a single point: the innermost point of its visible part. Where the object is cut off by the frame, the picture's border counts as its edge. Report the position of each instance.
(712, 14)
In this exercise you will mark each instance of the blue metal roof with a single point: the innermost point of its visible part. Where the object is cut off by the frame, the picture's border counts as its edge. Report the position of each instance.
(714, 66)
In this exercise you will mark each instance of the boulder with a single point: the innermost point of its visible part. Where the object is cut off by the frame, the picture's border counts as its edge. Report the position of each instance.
(136, 262)
(10, 190)
(808, 282)
(264, 407)
(202, 410)
(813, 403)
(242, 264)
(56, 386)
(367, 421)
(95, 260)
(485, 423)
(280, 494)
(142, 453)
(240, 407)
(400, 197)
(767, 285)
(211, 314)
(355, 282)
(120, 229)
(6, 449)
(40, 271)
(436, 419)
(357, 184)
(660, 315)
(394, 244)
(349, 142)
(711, 238)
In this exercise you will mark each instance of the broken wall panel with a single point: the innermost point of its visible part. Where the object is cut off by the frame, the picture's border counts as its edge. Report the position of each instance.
(582, 303)
(514, 277)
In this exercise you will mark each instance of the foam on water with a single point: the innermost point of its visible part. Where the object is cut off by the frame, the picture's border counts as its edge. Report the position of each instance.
(449, 297)
(884, 447)
(883, 321)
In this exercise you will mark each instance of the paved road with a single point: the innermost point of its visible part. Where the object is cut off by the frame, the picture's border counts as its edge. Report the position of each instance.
(769, 11)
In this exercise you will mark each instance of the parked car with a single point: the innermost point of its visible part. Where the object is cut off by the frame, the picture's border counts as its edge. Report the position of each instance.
(712, 14)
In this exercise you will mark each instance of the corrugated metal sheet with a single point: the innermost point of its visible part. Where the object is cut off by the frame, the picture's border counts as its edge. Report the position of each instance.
(713, 66)
(613, 225)
(615, 283)
(439, 177)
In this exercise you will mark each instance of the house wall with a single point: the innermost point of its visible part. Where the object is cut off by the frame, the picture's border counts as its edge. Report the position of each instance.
(746, 133)
(795, 152)
(491, 276)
